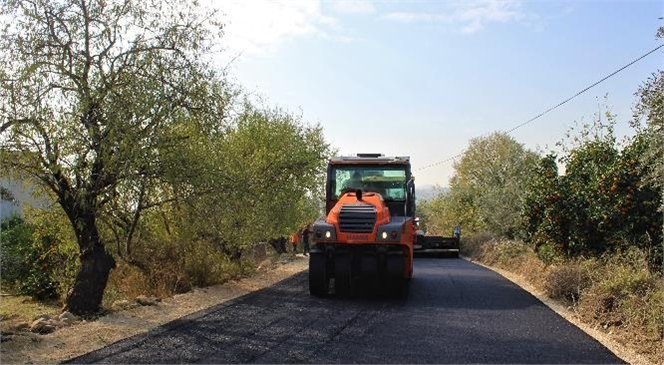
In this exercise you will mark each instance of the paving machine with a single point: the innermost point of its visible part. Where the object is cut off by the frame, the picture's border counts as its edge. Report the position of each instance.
(368, 231)
(436, 245)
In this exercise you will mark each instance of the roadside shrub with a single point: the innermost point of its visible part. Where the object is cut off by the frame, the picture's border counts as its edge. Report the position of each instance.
(39, 283)
(163, 264)
(472, 246)
(15, 251)
(568, 281)
(623, 292)
(525, 263)
(510, 251)
(52, 231)
(204, 265)
(32, 262)
(602, 204)
(646, 311)
(125, 282)
(550, 254)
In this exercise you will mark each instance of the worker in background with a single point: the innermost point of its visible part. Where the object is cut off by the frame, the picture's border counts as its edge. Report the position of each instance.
(457, 231)
(295, 240)
(306, 232)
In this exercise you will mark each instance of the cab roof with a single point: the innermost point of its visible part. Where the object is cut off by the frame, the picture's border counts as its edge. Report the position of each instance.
(369, 159)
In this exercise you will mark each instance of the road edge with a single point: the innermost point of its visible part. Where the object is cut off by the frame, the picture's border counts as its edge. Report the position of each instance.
(623, 352)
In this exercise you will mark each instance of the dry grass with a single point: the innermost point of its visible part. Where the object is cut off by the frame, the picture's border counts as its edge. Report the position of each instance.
(566, 282)
(126, 282)
(15, 309)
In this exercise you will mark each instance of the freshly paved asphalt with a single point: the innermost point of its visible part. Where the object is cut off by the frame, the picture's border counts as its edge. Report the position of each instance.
(455, 312)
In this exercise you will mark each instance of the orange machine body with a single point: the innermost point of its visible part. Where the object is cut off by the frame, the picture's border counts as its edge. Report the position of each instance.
(368, 230)
(406, 235)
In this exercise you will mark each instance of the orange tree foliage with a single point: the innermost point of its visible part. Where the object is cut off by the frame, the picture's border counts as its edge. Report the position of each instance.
(600, 205)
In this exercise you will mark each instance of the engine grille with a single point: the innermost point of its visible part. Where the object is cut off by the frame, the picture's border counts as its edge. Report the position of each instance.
(357, 218)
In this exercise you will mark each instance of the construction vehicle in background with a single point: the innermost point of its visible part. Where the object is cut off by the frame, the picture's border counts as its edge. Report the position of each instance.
(368, 231)
(439, 246)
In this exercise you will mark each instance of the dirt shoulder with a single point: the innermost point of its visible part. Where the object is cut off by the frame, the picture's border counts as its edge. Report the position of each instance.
(23, 347)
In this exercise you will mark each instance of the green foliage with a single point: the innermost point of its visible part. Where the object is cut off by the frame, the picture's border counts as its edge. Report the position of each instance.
(37, 258)
(117, 109)
(267, 170)
(90, 95)
(438, 216)
(486, 188)
(16, 249)
(650, 106)
(51, 226)
(550, 254)
(6, 194)
(226, 189)
(603, 203)
(509, 250)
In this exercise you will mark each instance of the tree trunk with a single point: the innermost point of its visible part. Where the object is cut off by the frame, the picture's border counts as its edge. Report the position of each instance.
(96, 264)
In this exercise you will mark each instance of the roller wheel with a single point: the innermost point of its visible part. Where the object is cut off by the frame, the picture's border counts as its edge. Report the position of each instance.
(394, 266)
(318, 278)
(343, 275)
(399, 287)
(397, 284)
(369, 272)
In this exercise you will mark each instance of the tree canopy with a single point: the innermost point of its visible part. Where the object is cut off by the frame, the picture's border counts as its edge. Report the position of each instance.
(116, 107)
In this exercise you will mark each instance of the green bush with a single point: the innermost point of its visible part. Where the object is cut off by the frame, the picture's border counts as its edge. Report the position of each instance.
(509, 251)
(38, 255)
(15, 251)
(53, 234)
(602, 204)
(550, 254)
(26, 261)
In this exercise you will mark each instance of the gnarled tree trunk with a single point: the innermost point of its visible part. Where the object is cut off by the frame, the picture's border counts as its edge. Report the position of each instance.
(86, 296)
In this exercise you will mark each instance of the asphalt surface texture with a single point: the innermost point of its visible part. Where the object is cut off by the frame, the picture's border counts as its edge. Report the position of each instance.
(455, 312)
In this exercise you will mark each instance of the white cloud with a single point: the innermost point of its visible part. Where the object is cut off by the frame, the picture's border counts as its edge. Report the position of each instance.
(407, 17)
(353, 6)
(469, 17)
(260, 26)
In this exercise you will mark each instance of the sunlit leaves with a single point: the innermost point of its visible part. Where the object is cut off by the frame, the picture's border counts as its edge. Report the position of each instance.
(488, 183)
(603, 203)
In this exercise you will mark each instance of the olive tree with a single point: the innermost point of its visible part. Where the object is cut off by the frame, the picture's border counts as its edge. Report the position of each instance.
(269, 172)
(488, 183)
(89, 92)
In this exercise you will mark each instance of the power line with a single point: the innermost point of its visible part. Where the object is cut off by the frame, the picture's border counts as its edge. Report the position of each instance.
(553, 107)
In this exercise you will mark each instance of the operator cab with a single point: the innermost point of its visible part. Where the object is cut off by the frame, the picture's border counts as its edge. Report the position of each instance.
(372, 172)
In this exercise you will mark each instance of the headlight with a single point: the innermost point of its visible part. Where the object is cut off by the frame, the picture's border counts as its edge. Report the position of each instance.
(328, 234)
(384, 235)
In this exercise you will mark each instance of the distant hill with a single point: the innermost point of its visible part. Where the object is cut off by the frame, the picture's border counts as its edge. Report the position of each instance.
(427, 192)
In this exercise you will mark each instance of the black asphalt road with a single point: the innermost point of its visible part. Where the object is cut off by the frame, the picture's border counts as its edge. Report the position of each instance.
(456, 312)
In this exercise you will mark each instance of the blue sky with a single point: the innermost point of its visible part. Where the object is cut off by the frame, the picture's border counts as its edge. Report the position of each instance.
(421, 78)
